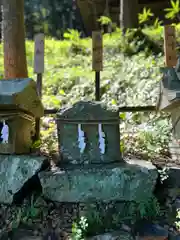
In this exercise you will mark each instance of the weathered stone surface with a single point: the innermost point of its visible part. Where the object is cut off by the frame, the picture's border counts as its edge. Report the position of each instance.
(172, 180)
(89, 133)
(88, 110)
(173, 236)
(120, 235)
(14, 172)
(133, 181)
(21, 94)
(152, 232)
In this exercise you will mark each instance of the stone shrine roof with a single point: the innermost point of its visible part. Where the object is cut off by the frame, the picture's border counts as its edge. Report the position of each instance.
(89, 111)
(20, 94)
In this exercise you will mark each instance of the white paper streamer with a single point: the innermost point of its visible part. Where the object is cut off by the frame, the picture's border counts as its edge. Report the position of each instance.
(101, 139)
(5, 133)
(81, 139)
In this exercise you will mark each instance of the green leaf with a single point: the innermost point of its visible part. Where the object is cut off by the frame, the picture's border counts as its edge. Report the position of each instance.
(113, 102)
(62, 92)
(122, 116)
(173, 4)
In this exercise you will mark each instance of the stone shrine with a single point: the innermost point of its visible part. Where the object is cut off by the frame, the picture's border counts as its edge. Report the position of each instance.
(92, 130)
(169, 101)
(91, 168)
(19, 106)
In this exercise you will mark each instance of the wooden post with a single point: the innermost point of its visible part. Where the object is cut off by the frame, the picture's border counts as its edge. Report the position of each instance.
(39, 70)
(97, 60)
(170, 46)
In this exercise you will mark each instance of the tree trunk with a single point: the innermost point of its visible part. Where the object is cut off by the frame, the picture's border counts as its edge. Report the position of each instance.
(129, 14)
(13, 33)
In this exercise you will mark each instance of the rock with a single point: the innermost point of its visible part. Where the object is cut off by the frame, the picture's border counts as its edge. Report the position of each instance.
(14, 172)
(172, 180)
(133, 181)
(173, 236)
(150, 231)
(120, 235)
(51, 236)
(30, 238)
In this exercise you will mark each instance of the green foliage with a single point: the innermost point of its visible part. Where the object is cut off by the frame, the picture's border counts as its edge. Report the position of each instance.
(48, 136)
(78, 229)
(74, 37)
(157, 23)
(25, 214)
(177, 222)
(51, 17)
(145, 15)
(173, 12)
(104, 20)
(149, 139)
(36, 144)
(102, 218)
(163, 174)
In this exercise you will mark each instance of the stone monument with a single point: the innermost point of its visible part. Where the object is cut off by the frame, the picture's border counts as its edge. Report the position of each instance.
(91, 168)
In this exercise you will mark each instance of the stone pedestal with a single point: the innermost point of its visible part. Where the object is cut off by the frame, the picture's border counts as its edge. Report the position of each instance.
(129, 181)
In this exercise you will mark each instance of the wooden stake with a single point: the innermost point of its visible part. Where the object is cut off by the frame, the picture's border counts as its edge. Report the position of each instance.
(97, 60)
(170, 46)
(39, 69)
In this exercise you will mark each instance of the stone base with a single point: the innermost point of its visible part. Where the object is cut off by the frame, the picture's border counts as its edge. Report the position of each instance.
(132, 181)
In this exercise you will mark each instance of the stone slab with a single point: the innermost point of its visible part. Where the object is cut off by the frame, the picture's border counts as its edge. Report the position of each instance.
(15, 170)
(132, 181)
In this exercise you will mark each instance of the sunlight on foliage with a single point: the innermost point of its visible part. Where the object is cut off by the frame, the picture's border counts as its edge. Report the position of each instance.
(145, 15)
(157, 23)
(173, 12)
(104, 20)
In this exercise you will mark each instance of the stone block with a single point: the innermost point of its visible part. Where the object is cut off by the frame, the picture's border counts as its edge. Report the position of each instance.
(14, 172)
(132, 181)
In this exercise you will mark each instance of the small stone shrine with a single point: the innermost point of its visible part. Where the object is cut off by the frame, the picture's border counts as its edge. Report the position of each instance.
(89, 133)
(19, 106)
(91, 167)
(169, 101)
